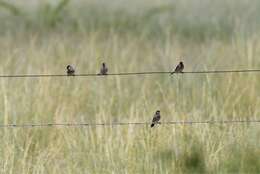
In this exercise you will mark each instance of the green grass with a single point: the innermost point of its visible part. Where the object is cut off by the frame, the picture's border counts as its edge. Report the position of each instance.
(129, 37)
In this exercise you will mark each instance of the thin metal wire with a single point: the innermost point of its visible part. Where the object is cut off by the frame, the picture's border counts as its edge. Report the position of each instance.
(132, 73)
(125, 123)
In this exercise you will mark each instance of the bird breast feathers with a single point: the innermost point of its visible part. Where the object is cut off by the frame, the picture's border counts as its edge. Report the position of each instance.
(156, 118)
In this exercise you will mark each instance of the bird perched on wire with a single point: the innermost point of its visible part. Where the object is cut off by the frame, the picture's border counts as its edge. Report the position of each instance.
(179, 68)
(156, 118)
(103, 70)
(70, 70)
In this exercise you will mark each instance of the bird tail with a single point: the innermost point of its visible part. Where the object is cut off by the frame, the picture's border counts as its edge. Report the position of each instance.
(152, 125)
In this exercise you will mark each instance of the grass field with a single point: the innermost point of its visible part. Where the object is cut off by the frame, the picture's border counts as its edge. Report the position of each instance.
(43, 37)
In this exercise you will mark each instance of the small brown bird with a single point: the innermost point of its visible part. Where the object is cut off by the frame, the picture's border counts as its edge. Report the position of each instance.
(156, 118)
(179, 68)
(103, 70)
(70, 70)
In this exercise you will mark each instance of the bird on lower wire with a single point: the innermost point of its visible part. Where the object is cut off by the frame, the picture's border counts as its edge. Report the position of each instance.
(156, 118)
(70, 70)
(179, 68)
(103, 70)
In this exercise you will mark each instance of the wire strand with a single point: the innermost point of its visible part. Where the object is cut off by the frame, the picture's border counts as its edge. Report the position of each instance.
(132, 73)
(125, 123)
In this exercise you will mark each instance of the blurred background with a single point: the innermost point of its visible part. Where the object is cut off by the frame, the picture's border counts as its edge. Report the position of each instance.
(197, 20)
(44, 36)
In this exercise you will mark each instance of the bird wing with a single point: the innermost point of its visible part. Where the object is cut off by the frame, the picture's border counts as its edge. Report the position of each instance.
(105, 70)
(156, 118)
(177, 68)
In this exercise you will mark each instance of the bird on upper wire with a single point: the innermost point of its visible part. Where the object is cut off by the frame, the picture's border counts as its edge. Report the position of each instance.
(70, 70)
(156, 118)
(179, 68)
(103, 70)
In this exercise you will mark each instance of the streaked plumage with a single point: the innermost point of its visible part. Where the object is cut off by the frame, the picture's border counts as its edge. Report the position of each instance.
(156, 118)
(179, 68)
(103, 70)
(70, 70)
